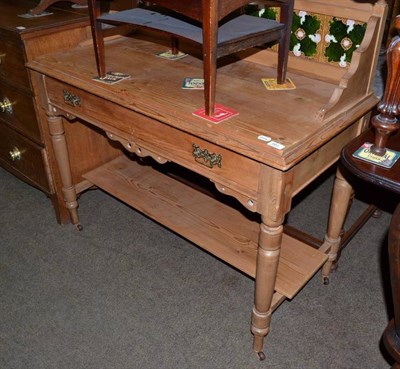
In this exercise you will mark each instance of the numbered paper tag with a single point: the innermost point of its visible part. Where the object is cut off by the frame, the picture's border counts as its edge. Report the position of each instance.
(273, 85)
(221, 113)
(112, 78)
(387, 160)
(169, 55)
(190, 83)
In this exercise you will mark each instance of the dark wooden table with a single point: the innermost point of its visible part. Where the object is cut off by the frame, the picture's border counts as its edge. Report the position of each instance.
(388, 179)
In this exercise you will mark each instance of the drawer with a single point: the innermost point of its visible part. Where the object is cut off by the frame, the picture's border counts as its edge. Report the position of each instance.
(236, 174)
(25, 158)
(17, 109)
(12, 63)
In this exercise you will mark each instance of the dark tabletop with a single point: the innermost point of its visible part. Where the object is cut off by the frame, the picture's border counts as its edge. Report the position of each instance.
(380, 176)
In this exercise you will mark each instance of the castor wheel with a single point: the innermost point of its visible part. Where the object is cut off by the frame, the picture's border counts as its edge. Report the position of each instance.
(79, 227)
(261, 356)
(377, 213)
(326, 281)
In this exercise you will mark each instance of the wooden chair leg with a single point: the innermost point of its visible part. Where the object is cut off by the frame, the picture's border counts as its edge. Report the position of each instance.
(174, 45)
(210, 36)
(97, 34)
(284, 42)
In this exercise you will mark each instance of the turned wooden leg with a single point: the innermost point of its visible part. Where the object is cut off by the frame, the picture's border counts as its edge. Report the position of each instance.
(97, 35)
(267, 265)
(210, 35)
(341, 198)
(174, 45)
(57, 133)
(391, 336)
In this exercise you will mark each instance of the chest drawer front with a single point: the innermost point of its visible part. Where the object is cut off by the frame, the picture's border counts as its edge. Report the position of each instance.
(17, 109)
(12, 63)
(146, 136)
(24, 156)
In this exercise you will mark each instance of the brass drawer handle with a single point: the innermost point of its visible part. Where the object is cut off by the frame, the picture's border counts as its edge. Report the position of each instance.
(15, 154)
(203, 157)
(6, 106)
(71, 99)
(2, 58)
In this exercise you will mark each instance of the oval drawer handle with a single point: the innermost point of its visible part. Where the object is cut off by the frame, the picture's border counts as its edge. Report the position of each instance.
(15, 154)
(6, 106)
(202, 156)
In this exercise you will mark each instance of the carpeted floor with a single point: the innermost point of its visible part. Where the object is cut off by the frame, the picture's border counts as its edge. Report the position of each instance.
(127, 293)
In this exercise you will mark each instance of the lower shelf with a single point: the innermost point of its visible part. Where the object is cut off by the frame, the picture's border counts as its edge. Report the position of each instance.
(216, 227)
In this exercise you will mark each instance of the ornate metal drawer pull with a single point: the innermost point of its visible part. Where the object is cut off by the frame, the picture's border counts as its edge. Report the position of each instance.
(6, 106)
(205, 158)
(71, 99)
(15, 154)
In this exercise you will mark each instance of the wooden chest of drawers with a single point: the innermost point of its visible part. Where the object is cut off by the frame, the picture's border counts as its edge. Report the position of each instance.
(25, 149)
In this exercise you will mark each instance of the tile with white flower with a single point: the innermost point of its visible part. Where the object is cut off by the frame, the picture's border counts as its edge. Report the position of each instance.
(342, 38)
(306, 34)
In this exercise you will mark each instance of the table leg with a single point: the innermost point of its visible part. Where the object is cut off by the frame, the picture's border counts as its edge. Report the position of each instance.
(267, 265)
(341, 199)
(391, 335)
(283, 51)
(57, 133)
(97, 34)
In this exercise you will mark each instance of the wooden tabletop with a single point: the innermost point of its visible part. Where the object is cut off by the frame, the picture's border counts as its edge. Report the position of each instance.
(289, 118)
(382, 177)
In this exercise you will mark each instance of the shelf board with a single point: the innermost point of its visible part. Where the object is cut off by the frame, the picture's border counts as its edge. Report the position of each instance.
(216, 227)
(242, 27)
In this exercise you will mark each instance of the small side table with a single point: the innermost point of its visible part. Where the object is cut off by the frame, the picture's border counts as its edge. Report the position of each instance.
(388, 179)
(384, 135)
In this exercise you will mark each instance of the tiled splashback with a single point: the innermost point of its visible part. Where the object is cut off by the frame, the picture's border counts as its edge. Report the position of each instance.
(323, 38)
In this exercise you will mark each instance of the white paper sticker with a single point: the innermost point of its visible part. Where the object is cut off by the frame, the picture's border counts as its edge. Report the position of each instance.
(264, 138)
(276, 145)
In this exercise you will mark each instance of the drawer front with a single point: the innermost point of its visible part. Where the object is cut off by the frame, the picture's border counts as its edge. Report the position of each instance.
(17, 109)
(12, 63)
(142, 135)
(24, 157)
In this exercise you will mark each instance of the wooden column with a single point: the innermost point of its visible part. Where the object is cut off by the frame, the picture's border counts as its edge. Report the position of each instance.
(57, 133)
(275, 193)
(385, 123)
(341, 199)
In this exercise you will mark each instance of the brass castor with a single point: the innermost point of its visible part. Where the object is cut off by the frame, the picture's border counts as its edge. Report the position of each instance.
(326, 281)
(79, 227)
(261, 355)
(377, 213)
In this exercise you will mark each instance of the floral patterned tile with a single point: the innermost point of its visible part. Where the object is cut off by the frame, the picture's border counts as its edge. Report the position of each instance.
(323, 38)
(306, 34)
(342, 38)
